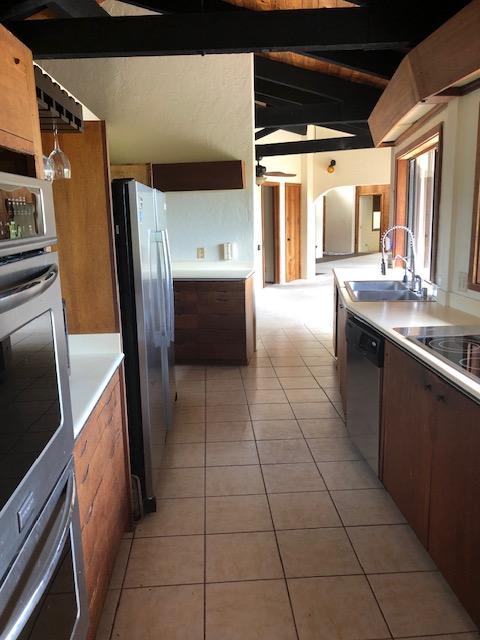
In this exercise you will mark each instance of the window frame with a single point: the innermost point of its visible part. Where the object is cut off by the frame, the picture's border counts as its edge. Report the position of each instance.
(474, 266)
(426, 142)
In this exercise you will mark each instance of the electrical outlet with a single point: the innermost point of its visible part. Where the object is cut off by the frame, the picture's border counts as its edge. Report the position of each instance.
(200, 253)
(462, 281)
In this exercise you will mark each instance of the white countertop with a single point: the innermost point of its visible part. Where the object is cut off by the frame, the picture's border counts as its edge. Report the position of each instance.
(221, 270)
(385, 316)
(94, 358)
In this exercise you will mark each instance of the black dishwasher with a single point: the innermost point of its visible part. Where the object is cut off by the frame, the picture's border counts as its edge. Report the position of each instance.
(365, 349)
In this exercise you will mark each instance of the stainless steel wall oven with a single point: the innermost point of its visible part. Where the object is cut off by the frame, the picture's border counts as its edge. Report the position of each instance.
(42, 592)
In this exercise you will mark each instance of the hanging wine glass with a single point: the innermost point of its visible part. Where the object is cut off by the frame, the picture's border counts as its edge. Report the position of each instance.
(60, 162)
(48, 169)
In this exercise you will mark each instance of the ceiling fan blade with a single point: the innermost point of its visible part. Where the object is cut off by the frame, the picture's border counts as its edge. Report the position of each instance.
(279, 174)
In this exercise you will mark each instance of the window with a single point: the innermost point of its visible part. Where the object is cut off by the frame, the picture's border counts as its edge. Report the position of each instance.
(417, 199)
(474, 276)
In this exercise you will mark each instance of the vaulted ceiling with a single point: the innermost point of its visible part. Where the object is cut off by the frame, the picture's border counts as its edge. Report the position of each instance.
(322, 62)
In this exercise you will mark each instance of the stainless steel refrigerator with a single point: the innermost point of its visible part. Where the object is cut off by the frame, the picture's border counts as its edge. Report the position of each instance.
(146, 303)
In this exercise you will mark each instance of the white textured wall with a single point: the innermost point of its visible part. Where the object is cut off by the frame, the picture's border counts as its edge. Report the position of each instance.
(178, 109)
(340, 221)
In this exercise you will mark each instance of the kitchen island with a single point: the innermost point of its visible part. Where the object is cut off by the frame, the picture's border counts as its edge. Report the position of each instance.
(214, 313)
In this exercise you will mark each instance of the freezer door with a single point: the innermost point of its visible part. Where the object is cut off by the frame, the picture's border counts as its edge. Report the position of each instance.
(151, 327)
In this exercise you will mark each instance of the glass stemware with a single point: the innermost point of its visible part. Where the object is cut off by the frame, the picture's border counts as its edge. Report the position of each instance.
(59, 160)
(48, 169)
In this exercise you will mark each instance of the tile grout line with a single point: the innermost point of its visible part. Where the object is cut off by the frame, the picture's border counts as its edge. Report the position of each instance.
(351, 544)
(276, 541)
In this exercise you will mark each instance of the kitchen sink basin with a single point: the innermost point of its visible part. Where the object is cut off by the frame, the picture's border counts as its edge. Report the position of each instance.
(376, 285)
(380, 291)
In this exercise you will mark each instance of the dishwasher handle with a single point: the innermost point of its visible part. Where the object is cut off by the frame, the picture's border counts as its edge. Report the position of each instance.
(361, 338)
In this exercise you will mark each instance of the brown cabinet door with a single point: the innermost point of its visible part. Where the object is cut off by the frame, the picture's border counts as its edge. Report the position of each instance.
(19, 120)
(341, 348)
(292, 231)
(407, 422)
(454, 532)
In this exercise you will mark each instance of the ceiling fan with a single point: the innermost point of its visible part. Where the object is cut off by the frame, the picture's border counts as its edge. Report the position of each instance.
(261, 173)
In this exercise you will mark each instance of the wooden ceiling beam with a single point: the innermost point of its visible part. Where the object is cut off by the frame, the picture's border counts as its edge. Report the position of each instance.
(317, 84)
(313, 146)
(271, 92)
(221, 32)
(324, 115)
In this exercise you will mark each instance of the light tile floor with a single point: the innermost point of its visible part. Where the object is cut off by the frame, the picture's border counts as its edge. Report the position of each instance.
(269, 525)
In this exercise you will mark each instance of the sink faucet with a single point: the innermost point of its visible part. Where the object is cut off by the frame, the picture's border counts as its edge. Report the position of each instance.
(416, 283)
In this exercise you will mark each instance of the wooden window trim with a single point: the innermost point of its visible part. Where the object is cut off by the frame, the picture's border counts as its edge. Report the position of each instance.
(474, 267)
(433, 138)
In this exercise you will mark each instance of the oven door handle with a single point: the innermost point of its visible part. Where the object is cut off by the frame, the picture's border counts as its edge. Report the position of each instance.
(21, 293)
(44, 568)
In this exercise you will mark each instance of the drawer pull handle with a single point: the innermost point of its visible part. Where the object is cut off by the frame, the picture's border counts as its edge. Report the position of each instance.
(84, 447)
(428, 387)
(441, 398)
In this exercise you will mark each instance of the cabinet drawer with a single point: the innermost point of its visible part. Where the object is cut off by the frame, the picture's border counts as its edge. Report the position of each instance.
(92, 432)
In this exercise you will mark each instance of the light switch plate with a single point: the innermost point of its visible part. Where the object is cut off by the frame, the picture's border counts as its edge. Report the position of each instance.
(200, 253)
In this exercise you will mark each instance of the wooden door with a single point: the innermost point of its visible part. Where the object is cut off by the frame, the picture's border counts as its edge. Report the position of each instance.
(270, 232)
(407, 423)
(292, 231)
(454, 531)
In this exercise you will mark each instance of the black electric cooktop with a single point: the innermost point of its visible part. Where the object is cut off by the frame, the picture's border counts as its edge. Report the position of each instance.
(457, 346)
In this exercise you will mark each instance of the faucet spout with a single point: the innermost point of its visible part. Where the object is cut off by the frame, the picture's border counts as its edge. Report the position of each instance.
(410, 268)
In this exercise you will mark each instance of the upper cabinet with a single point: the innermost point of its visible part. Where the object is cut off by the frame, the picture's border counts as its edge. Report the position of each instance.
(442, 67)
(199, 176)
(19, 120)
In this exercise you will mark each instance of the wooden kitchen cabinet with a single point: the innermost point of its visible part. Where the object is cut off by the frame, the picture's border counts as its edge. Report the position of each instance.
(407, 417)
(340, 345)
(103, 487)
(454, 532)
(19, 119)
(214, 321)
(431, 452)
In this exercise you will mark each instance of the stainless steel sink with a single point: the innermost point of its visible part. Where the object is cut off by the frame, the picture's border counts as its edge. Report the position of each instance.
(376, 285)
(380, 291)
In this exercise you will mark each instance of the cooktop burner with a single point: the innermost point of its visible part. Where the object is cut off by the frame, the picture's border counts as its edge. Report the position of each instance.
(461, 351)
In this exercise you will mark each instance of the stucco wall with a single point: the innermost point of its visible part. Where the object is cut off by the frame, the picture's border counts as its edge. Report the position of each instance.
(178, 109)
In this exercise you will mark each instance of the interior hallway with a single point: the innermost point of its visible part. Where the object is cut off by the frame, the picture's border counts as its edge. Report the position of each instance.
(269, 526)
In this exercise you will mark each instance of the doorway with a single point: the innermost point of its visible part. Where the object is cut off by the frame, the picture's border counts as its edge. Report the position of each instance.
(271, 232)
(292, 230)
(372, 204)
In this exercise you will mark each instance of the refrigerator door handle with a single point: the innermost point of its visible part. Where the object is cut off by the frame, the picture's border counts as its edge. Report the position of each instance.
(159, 325)
(168, 285)
(171, 297)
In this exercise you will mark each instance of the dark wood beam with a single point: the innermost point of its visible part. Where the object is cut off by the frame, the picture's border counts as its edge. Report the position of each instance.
(221, 32)
(63, 8)
(324, 115)
(14, 10)
(78, 9)
(313, 146)
(269, 90)
(312, 82)
(264, 132)
(300, 131)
